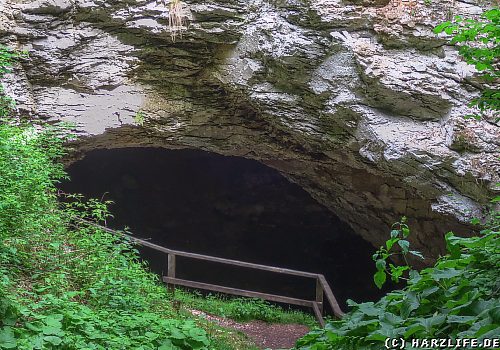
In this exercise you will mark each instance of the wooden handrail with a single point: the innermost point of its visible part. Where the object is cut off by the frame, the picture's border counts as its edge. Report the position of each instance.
(205, 257)
(322, 286)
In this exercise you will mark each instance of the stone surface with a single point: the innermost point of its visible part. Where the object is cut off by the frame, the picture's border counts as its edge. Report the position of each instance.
(358, 102)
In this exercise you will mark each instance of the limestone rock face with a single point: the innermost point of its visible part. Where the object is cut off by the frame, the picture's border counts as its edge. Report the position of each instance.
(356, 101)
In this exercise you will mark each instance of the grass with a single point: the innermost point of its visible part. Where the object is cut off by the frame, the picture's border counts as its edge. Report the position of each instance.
(243, 309)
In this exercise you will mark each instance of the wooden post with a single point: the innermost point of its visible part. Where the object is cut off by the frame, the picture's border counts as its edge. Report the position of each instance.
(319, 295)
(337, 311)
(171, 272)
(318, 314)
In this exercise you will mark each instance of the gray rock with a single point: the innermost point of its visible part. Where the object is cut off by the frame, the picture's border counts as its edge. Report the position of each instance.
(359, 103)
(48, 7)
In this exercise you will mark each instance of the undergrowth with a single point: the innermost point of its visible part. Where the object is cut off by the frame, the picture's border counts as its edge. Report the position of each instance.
(243, 309)
(457, 298)
(70, 287)
(66, 285)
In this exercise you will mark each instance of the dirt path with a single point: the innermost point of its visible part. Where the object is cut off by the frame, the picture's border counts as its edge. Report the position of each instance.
(265, 335)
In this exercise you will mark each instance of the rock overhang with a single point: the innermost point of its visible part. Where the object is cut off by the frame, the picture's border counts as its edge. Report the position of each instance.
(360, 107)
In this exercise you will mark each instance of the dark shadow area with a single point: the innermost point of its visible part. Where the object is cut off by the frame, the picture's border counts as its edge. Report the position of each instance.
(227, 207)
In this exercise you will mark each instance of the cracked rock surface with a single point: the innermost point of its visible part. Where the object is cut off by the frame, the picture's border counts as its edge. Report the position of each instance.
(358, 102)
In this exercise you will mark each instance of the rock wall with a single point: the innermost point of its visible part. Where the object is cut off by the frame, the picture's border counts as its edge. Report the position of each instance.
(356, 101)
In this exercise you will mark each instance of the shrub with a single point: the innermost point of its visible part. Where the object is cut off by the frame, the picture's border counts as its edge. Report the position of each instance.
(457, 298)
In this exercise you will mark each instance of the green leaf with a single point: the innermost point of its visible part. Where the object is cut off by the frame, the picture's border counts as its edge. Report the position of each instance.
(380, 264)
(495, 314)
(481, 66)
(48, 330)
(475, 221)
(488, 331)
(34, 326)
(432, 322)
(404, 244)
(449, 30)
(452, 245)
(441, 27)
(414, 276)
(416, 253)
(495, 199)
(406, 231)
(176, 334)
(7, 338)
(461, 319)
(409, 304)
(166, 345)
(397, 272)
(369, 309)
(390, 243)
(53, 340)
(438, 275)
(379, 278)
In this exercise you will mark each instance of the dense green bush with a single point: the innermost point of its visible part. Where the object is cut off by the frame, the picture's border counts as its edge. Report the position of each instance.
(457, 298)
(70, 288)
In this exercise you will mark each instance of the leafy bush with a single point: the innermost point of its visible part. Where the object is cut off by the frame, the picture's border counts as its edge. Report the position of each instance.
(399, 234)
(458, 297)
(70, 288)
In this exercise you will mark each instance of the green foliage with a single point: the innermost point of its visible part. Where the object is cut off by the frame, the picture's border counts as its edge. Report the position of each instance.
(399, 234)
(479, 42)
(244, 309)
(139, 118)
(67, 286)
(458, 297)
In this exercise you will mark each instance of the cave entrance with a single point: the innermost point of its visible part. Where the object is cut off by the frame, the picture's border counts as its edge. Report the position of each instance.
(228, 207)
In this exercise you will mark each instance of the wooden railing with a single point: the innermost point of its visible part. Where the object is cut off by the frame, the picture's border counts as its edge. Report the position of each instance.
(322, 287)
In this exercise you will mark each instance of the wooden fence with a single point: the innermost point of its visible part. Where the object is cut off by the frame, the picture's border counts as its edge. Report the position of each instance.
(322, 287)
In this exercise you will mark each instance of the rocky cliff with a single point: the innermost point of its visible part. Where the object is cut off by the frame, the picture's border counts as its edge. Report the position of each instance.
(356, 101)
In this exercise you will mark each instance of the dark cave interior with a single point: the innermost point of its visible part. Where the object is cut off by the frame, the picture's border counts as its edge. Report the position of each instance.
(228, 207)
